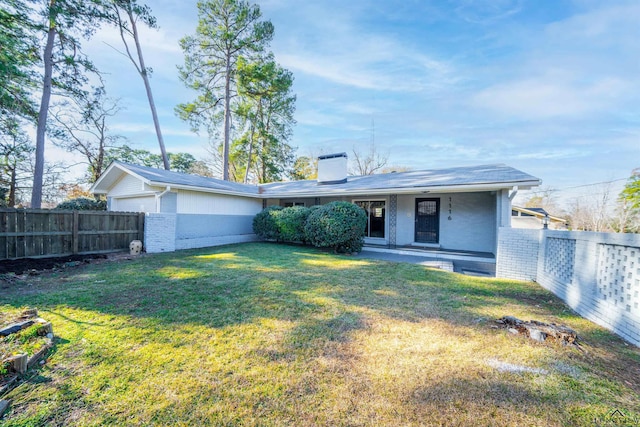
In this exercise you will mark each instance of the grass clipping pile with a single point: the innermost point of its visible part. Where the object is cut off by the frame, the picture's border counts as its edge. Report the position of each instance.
(24, 341)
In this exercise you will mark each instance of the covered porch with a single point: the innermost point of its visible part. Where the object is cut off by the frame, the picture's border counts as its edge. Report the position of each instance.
(465, 262)
(443, 225)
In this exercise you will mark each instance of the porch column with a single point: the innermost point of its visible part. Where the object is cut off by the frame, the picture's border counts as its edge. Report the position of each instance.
(503, 214)
(503, 209)
(393, 219)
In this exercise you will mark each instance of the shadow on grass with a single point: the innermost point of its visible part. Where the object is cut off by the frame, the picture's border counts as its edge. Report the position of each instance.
(237, 284)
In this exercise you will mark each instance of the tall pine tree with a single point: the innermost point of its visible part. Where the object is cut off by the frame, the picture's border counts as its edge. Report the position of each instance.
(227, 30)
(267, 109)
(18, 56)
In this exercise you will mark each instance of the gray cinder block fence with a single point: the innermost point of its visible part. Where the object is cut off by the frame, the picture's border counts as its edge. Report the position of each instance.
(596, 274)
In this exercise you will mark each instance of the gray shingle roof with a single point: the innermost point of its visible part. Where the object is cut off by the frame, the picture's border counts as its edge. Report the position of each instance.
(494, 176)
(162, 176)
(461, 176)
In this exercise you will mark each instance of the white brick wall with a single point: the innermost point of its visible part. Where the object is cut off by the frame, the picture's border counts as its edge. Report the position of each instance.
(517, 253)
(596, 274)
(160, 232)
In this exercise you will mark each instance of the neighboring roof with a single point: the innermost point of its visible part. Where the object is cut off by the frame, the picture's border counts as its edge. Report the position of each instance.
(163, 178)
(475, 178)
(538, 212)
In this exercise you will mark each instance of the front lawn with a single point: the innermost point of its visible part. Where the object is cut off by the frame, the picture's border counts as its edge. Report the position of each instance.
(266, 334)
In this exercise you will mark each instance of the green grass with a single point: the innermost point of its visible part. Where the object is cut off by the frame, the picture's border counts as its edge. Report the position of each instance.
(274, 335)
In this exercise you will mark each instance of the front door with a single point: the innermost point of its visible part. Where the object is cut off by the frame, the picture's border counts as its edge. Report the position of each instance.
(427, 220)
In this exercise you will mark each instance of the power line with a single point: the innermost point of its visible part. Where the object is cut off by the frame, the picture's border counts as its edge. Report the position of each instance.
(555, 190)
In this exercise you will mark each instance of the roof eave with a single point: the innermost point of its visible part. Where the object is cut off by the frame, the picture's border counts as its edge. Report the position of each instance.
(95, 188)
(523, 185)
(203, 189)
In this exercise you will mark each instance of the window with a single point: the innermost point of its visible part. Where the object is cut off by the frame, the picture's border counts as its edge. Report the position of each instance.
(290, 204)
(376, 214)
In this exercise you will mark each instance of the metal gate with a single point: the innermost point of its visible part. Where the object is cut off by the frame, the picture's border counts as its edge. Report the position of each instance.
(427, 220)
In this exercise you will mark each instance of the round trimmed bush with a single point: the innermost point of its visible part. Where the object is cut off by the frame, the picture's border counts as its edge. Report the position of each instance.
(83, 204)
(291, 222)
(338, 225)
(265, 223)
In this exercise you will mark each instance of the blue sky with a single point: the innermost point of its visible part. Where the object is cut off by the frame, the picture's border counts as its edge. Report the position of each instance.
(551, 87)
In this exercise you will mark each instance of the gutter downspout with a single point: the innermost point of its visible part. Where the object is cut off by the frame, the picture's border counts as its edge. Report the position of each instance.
(159, 196)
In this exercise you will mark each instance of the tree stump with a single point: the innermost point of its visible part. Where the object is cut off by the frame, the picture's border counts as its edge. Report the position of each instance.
(19, 363)
(540, 331)
(45, 329)
(29, 313)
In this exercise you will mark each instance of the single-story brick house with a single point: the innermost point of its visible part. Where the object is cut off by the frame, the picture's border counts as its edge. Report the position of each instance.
(455, 208)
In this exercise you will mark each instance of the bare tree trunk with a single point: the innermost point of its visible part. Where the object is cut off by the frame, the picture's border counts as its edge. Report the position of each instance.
(263, 165)
(12, 187)
(246, 172)
(36, 194)
(147, 86)
(99, 165)
(227, 122)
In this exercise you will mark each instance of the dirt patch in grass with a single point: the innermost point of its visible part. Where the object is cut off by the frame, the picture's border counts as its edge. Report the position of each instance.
(34, 265)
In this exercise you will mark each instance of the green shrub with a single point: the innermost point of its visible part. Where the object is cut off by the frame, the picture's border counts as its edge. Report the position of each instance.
(265, 223)
(338, 225)
(291, 222)
(83, 204)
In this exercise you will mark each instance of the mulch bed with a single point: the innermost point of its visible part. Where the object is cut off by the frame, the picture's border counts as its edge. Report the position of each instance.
(28, 265)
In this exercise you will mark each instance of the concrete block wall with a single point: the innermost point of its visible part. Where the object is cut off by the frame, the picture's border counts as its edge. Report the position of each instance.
(517, 256)
(596, 274)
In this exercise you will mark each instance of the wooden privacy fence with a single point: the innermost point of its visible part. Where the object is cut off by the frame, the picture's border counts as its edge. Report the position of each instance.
(42, 233)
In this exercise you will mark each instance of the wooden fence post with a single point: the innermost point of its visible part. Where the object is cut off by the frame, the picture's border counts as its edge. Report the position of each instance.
(74, 236)
(141, 217)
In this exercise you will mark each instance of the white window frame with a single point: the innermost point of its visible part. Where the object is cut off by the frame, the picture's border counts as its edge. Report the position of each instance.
(377, 240)
(294, 204)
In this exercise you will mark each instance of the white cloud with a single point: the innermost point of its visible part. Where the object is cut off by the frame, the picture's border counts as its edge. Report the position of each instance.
(487, 11)
(577, 68)
(148, 128)
(352, 55)
(355, 108)
(316, 118)
(553, 153)
(547, 97)
(605, 23)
